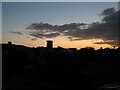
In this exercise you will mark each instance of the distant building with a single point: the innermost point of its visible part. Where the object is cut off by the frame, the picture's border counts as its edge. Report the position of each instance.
(9, 43)
(101, 48)
(49, 44)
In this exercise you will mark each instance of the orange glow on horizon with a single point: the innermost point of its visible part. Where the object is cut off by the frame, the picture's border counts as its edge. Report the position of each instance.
(62, 42)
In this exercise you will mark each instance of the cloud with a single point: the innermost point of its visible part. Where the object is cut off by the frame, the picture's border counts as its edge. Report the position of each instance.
(41, 26)
(34, 39)
(45, 30)
(14, 32)
(111, 18)
(111, 42)
(38, 34)
(48, 27)
(108, 11)
(106, 30)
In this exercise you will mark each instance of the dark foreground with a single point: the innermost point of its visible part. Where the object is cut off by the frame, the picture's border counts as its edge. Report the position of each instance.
(52, 69)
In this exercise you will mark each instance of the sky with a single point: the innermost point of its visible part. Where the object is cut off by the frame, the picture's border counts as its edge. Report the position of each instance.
(60, 0)
(68, 24)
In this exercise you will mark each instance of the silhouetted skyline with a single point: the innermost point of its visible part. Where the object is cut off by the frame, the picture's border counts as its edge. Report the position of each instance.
(59, 68)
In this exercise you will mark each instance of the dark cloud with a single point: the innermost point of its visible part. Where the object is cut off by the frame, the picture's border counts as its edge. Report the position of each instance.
(106, 30)
(16, 32)
(45, 35)
(112, 18)
(45, 30)
(34, 39)
(111, 42)
(41, 26)
(48, 27)
(73, 38)
(108, 11)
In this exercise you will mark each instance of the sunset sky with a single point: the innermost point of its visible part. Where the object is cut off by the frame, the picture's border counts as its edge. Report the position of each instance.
(68, 24)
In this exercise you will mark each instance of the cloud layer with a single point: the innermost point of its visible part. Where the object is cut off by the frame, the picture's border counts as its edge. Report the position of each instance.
(45, 30)
(106, 30)
(14, 32)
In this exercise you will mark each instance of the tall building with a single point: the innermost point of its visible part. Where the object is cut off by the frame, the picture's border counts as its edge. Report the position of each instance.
(49, 44)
